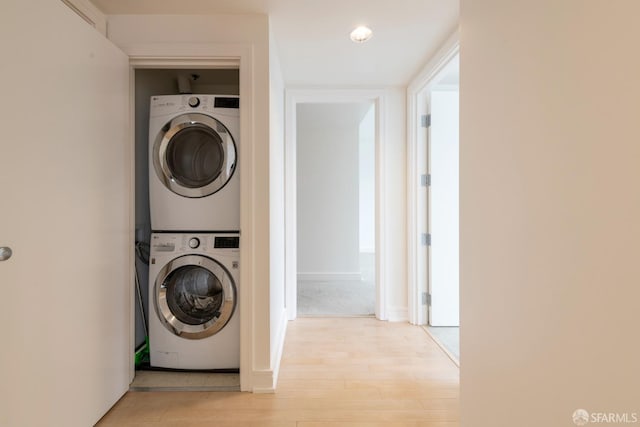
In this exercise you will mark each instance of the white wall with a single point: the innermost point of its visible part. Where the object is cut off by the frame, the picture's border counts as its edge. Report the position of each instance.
(159, 33)
(328, 187)
(394, 204)
(550, 210)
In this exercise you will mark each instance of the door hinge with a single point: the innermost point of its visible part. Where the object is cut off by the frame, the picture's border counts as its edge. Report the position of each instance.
(426, 239)
(425, 180)
(426, 299)
(425, 120)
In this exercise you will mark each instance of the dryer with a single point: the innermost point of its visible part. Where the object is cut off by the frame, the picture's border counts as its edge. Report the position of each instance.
(193, 163)
(194, 322)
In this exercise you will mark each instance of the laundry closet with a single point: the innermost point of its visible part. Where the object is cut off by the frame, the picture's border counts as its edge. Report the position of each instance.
(187, 227)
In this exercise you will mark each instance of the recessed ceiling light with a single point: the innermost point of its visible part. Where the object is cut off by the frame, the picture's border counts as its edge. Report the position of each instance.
(361, 34)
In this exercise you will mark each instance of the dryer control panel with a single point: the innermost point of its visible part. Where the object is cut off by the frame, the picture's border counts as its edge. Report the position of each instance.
(163, 105)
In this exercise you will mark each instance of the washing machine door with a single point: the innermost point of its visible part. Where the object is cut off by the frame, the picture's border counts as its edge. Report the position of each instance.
(194, 155)
(195, 296)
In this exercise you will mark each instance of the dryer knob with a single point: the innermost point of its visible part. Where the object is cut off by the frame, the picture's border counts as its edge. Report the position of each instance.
(194, 242)
(194, 101)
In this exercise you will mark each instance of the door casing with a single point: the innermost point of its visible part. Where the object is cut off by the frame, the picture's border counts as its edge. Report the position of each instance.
(417, 203)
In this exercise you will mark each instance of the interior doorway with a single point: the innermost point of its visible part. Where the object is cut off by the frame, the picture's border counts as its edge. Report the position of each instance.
(372, 249)
(336, 209)
(205, 58)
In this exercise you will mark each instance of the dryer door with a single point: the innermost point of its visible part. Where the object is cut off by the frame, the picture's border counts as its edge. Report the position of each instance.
(194, 155)
(195, 296)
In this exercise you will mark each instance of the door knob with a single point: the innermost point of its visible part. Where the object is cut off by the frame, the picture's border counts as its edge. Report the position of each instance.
(5, 253)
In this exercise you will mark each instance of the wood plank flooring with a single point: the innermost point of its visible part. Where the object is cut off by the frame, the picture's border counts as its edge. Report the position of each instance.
(335, 372)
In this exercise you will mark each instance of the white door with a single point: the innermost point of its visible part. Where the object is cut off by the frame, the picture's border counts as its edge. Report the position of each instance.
(65, 204)
(444, 208)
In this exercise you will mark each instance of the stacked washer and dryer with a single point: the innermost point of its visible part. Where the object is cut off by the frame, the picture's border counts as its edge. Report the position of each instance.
(194, 196)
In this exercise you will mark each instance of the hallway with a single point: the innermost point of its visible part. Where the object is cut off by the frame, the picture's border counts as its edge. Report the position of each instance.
(335, 372)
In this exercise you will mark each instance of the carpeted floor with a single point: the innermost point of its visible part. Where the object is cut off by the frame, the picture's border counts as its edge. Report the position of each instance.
(336, 298)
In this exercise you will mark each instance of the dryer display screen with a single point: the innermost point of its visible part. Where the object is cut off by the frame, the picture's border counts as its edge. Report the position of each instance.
(227, 242)
(227, 103)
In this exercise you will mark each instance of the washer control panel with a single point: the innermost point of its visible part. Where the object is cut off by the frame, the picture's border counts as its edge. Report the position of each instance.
(166, 243)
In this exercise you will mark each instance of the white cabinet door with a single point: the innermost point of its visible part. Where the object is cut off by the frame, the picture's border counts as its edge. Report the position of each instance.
(65, 203)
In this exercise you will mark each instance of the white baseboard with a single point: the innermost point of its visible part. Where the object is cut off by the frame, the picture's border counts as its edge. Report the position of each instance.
(265, 381)
(397, 314)
(330, 277)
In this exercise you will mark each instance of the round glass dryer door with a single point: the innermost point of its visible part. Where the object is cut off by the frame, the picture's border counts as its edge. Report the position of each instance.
(195, 296)
(194, 155)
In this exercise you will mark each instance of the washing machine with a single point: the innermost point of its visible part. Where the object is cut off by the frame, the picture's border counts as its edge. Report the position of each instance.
(194, 322)
(193, 163)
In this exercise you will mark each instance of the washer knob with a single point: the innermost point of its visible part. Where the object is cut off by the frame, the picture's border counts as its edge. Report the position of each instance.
(194, 101)
(194, 242)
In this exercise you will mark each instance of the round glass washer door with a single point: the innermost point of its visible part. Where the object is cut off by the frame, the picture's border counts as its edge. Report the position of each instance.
(195, 296)
(194, 155)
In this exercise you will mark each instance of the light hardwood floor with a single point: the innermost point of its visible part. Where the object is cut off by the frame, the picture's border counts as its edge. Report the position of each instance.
(335, 372)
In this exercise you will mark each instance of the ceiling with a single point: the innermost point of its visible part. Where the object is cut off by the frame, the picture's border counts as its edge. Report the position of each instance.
(313, 35)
